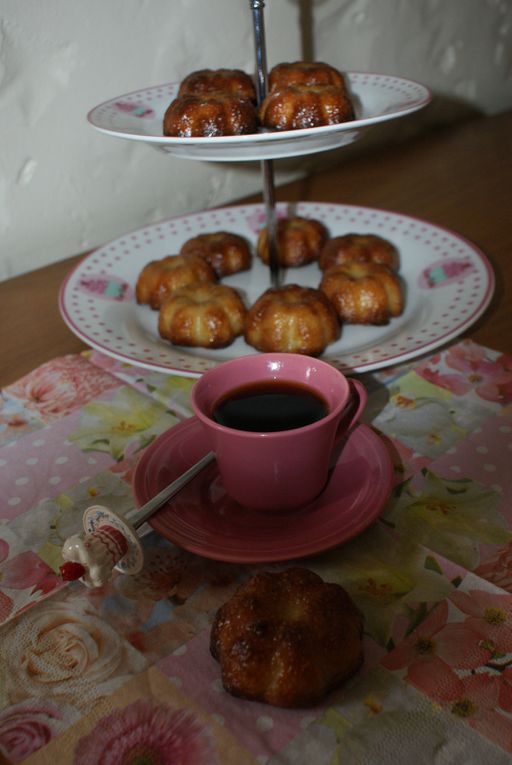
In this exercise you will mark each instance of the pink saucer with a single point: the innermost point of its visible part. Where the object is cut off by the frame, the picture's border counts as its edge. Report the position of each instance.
(203, 519)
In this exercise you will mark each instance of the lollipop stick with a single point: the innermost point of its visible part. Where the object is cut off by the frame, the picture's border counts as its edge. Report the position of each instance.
(140, 516)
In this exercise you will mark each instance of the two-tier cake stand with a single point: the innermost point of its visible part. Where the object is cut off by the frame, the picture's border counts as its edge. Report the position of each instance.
(448, 284)
(448, 280)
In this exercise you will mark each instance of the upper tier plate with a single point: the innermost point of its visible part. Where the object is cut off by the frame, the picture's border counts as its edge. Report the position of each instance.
(138, 116)
(448, 285)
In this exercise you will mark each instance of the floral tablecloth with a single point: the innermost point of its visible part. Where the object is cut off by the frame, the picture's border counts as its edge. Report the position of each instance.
(123, 674)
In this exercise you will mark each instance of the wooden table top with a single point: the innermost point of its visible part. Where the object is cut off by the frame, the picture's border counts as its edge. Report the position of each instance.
(458, 177)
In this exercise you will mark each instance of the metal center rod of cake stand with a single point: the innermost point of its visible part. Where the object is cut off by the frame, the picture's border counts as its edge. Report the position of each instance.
(267, 165)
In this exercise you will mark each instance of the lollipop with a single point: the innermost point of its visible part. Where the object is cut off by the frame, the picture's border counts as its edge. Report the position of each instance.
(111, 541)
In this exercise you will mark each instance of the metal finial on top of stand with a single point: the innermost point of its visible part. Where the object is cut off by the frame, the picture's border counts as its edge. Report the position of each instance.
(267, 165)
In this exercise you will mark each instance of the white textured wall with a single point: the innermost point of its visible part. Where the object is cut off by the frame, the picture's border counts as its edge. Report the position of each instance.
(65, 188)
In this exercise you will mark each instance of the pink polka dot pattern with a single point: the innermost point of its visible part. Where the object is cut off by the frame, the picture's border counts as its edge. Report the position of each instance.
(485, 456)
(431, 317)
(44, 464)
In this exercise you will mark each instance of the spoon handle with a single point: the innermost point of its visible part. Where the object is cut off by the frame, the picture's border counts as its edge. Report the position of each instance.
(141, 515)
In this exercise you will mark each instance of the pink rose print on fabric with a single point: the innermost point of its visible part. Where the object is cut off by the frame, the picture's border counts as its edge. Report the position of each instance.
(491, 379)
(56, 388)
(26, 727)
(148, 734)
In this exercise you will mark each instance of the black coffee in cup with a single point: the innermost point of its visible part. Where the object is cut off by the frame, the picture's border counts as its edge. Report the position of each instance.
(269, 406)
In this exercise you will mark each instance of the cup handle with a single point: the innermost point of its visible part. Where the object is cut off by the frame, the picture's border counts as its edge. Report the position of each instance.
(353, 409)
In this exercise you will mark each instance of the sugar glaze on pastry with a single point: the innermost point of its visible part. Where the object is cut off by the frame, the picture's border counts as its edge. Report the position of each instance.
(287, 638)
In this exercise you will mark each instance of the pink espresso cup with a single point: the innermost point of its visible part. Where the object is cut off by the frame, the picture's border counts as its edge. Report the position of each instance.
(283, 469)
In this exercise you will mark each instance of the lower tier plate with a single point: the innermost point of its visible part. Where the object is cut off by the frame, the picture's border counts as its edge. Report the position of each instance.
(448, 284)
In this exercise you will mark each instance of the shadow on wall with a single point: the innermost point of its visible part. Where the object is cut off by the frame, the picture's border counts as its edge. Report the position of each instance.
(306, 29)
(441, 112)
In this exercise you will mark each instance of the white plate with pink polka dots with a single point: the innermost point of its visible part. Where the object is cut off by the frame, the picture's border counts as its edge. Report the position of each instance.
(448, 283)
(138, 116)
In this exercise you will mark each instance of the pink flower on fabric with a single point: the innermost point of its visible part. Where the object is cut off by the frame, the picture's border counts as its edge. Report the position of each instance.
(489, 616)
(59, 386)
(148, 734)
(454, 383)
(476, 704)
(433, 650)
(4, 550)
(418, 652)
(420, 644)
(27, 727)
(498, 569)
(6, 606)
(21, 572)
(491, 379)
(505, 690)
(103, 361)
(462, 647)
(6, 603)
(28, 570)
